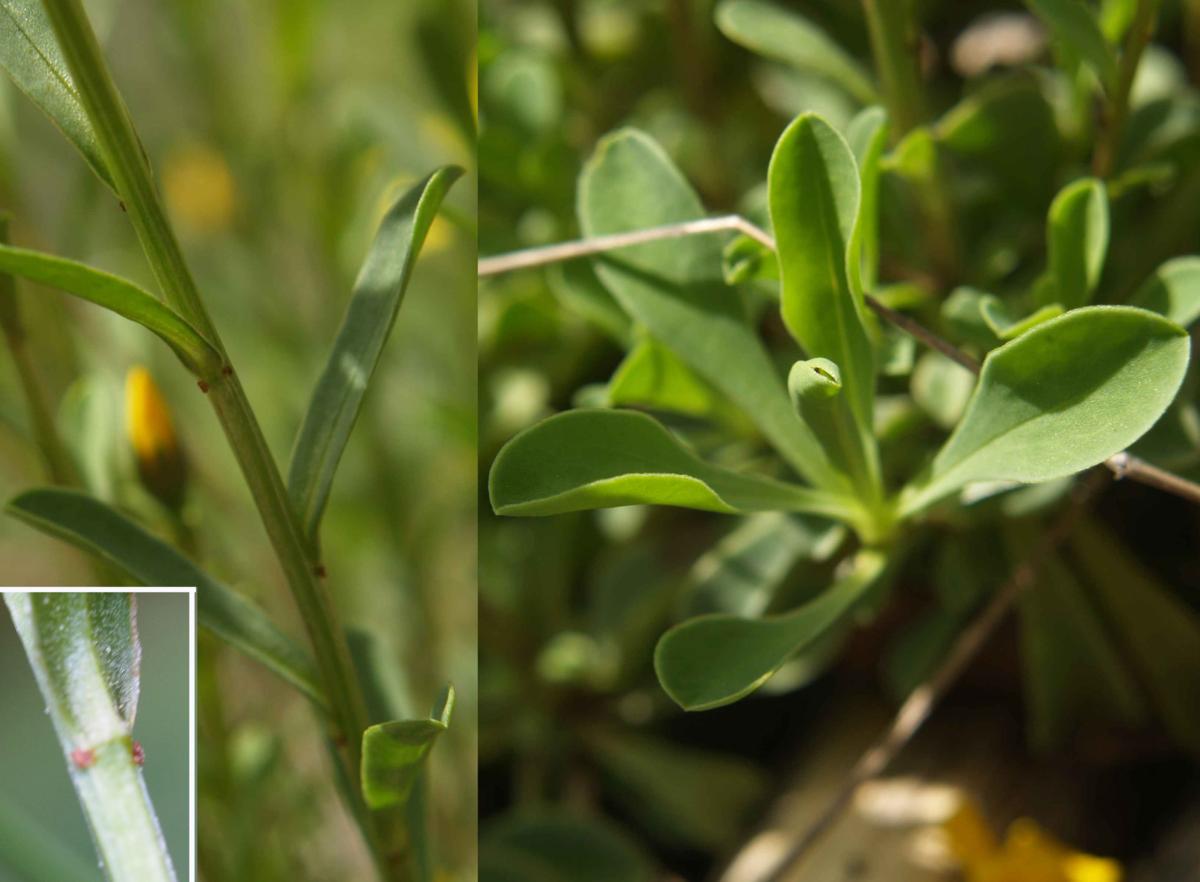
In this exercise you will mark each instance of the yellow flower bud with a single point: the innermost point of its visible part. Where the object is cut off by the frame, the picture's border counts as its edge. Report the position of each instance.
(160, 460)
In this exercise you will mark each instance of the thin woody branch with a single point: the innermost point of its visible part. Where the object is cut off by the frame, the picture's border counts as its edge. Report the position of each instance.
(1122, 465)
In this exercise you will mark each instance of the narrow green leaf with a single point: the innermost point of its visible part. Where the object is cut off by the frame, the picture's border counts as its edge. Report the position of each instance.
(544, 846)
(694, 797)
(814, 197)
(1173, 291)
(867, 136)
(1077, 241)
(1075, 24)
(675, 290)
(1061, 398)
(1074, 673)
(120, 296)
(1157, 630)
(30, 55)
(585, 459)
(714, 660)
(91, 525)
(374, 304)
(394, 754)
(787, 36)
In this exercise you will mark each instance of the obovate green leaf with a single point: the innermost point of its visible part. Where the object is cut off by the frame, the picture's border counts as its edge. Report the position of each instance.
(1063, 397)
(91, 525)
(714, 660)
(374, 304)
(787, 36)
(117, 295)
(394, 754)
(1077, 241)
(1173, 291)
(1074, 23)
(585, 459)
(814, 197)
(675, 290)
(29, 53)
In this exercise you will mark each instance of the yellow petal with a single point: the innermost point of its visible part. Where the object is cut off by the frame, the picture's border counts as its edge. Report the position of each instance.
(160, 460)
(971, 839)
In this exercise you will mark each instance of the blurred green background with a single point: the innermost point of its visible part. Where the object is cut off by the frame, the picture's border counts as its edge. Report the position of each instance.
(34, 782)
(279, 132)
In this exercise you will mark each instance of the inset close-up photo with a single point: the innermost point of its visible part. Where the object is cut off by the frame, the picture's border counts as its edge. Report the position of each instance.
(237, 304)
(839, 440)
(98, 736)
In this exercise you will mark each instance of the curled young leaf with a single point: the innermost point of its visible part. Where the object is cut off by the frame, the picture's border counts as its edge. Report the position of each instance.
(1060, 398)
(585, 459)
(394, 754)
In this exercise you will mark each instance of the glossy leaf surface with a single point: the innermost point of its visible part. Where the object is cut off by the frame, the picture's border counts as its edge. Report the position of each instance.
(374, 304)
(29, 53)
(1061, 398)
(586, 459)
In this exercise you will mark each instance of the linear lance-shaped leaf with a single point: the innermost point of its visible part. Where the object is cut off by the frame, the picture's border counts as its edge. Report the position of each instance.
(585, 459)
(676, 291)
(120, 296)
(374, 304)
(1061, 398)
(714, 660)
(785, 35)
(394, 754)
(89, 524)
(30, 55)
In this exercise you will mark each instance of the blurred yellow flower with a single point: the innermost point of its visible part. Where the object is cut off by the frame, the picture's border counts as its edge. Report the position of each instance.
(1028, 853)
(199, 188)
(160, 460)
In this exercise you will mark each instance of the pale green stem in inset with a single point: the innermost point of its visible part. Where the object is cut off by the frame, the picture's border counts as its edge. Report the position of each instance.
(131, 173)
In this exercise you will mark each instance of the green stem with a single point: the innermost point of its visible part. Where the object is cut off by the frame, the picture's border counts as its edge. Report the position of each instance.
(131, 173)
(1104, 160)
(895, 43)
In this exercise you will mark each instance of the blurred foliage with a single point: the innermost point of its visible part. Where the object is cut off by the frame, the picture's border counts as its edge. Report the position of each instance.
(571, 606)
(280, 132)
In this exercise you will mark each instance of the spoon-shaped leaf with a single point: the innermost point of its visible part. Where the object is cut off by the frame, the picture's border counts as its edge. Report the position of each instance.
(785, 35)
(29, 53)
(1064, 396)
(374, 304)
(120, 296)
(714, 660)
(1074, 23)
(84, 651)
(586, 459)
(1077, 241)
(675, 290)
(394, 754)
(89, 524)
(1173, 291)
